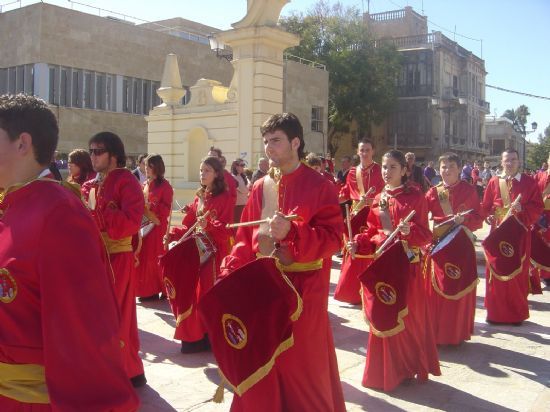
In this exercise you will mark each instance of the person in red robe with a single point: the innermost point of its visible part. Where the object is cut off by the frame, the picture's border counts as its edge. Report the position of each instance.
(304, 377)
(228, 177)
(214, 197)
(348, 287)
(116, 202)
(543, 182)
(506, 300)
(59, 341)
(158, 205)
(412, 352)
(452, 319)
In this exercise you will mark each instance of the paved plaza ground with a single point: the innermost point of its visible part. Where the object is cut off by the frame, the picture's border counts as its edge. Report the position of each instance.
(503, 368)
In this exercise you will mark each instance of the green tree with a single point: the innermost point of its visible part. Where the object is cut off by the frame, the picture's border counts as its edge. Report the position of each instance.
(518, 116)
(361, 73)
(538, 152)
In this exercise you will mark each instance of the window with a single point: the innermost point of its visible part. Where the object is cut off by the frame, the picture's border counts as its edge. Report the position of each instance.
(3, 81)
(77, 88)
(64, 94)
(88, 90)
(126, 95)
(53, 85)
(317, 119)
(100, 91)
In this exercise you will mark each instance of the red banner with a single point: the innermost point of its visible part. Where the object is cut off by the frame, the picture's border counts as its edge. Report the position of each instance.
(249, 317)
(385, 291)
(454, 266)
(540, 251)
(505, 249)
(359, 220)
(180, 268)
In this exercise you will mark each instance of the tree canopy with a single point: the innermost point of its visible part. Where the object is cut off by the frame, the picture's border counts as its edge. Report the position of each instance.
(538, 152)
(362, 74)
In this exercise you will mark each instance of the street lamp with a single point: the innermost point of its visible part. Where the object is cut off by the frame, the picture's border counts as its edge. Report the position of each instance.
(520, 128)
(448, 108)
(219, 47)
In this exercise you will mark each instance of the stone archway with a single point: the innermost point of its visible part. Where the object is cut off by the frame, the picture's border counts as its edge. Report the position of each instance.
(199, 144)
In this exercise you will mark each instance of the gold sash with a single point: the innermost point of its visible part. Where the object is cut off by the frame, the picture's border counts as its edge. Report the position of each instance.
(385, 218)
(24, 383)
(359, 178)
(545, 194)
(445, 203)
(117, 245)
(270, 205)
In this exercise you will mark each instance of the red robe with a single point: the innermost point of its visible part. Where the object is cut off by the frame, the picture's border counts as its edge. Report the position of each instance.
(453, 320)
(119, 206)
(543, 180)
(506, 301)
(304, 377)
(348, 287)
(58, 306)
(148, 276)
(413, 351)
(191, 329)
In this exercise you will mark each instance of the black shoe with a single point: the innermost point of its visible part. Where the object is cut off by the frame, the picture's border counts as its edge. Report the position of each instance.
(149, 298)
(202, 345)
(138, 381)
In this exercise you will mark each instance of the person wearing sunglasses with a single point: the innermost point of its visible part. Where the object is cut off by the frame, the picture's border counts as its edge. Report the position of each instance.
(59, 340)
(117, 204)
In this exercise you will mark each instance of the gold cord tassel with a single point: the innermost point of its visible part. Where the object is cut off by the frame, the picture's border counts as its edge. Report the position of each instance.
(218, 395)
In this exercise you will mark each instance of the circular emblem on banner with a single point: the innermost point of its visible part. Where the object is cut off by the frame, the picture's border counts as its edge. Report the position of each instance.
(170, 289)
(506, 249)
(385, 293)
(8, 287)
(452, 271)
(234, 331)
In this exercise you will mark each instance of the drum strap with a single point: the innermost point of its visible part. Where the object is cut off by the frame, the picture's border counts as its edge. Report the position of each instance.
(443, 194)
(270, 205)
(359, 178)
(545, 194)
(385, 218)
(504, 191)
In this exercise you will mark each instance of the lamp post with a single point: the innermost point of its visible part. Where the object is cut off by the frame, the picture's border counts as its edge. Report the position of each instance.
(520, 128)
(450, 107)
(219, 47)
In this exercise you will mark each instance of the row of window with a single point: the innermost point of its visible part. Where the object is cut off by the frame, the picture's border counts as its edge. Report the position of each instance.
(72, 87)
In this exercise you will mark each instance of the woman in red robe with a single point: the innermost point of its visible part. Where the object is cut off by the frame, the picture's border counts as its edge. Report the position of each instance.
(213, 196)
(158, 203)
(412, 352)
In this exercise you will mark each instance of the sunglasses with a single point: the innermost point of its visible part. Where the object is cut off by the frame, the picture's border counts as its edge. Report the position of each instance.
(98, 152)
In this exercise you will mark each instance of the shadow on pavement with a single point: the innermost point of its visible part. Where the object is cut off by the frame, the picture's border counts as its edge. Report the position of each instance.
(152, 401)
(480, 358)
(366, 401)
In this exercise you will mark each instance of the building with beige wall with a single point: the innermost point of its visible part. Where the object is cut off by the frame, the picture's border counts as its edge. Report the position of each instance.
(102, 73)
(502, 135)
(441, 90)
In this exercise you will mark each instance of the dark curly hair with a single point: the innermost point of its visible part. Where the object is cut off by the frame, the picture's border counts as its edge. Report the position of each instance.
(113, 144)
(399, 157)
(290, 125)
(81, 158)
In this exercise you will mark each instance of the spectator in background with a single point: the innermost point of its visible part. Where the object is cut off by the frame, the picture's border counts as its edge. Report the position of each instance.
(80, 167)
(139, 171)
(429, 173)
(243, 188)
(343, 172)
(466, 173)
(414, 173)
(263, 167)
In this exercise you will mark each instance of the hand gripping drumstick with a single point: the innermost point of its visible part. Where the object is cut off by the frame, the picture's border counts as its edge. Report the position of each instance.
(393, 234)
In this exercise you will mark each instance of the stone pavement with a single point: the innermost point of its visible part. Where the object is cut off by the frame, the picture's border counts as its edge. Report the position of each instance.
(503, 368)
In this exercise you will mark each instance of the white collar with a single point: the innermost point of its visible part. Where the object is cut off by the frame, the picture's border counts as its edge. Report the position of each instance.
(44, 172)
(517, 176)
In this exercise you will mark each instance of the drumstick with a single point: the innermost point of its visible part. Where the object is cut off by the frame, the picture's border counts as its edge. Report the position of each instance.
(191, 229)
(452, 218)
(258, 222)
(359, 205)
(393, 234)
(350, 234)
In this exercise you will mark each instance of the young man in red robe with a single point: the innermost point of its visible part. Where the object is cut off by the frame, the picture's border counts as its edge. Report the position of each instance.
(453, 317)
(360, 179)
(117, 204)
(304, 377)
(543, 182)
(506, 299)
(59, 340)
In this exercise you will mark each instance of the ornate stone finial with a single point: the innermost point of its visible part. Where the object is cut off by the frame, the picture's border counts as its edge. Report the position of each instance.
(171, 90)
(261, 13)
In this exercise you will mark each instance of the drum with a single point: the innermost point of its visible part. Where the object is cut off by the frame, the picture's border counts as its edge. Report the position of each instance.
(453, 264)
(206, 247)
(249, 317)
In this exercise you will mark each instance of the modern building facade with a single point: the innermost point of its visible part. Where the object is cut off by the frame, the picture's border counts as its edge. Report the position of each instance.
(101, 73)
(441, 90)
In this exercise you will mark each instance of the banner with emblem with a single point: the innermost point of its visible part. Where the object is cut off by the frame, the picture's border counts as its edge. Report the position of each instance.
(359, 220)
(453, 264)
(385, 291)
(249, 316)
(180, 268)
(505, 249)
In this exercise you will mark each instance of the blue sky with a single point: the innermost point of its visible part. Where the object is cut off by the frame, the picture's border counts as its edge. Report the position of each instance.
(514, 35)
